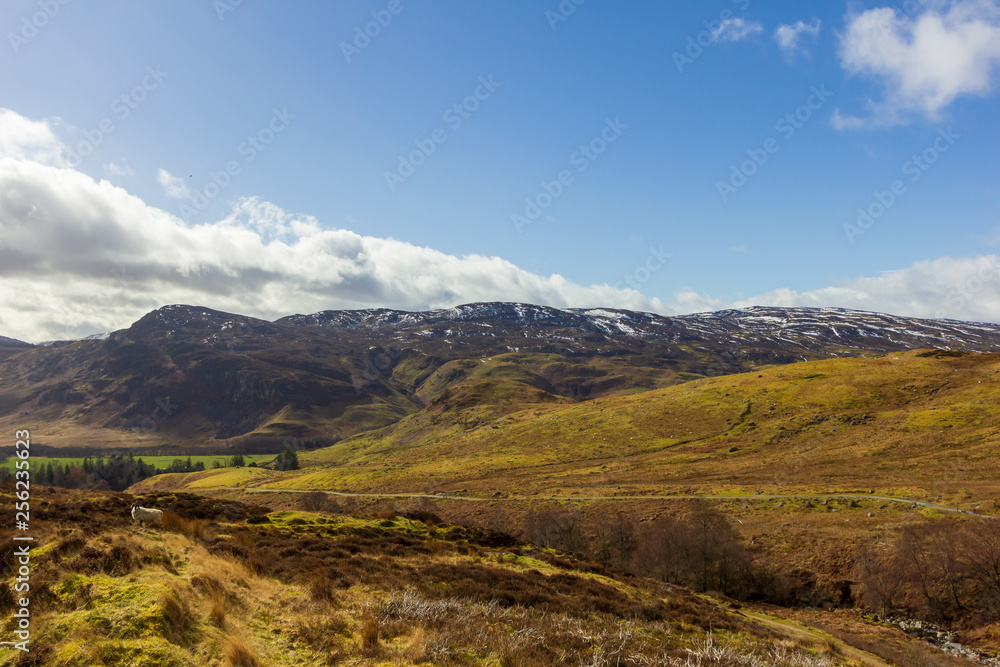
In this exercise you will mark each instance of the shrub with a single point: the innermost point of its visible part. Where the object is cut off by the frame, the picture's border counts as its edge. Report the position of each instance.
(323, 589)
(314, 501)
(116, 561)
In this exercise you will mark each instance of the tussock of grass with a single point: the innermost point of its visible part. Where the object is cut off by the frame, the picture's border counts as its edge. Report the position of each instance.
(370, 632)
(217, 611)
(176, 613)
(193, 528)
(239, 654)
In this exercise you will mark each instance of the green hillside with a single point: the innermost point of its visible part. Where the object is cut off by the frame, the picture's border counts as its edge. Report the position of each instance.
(915, 424)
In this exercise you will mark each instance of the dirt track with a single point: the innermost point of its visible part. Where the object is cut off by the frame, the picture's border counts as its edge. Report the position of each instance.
(443, 496)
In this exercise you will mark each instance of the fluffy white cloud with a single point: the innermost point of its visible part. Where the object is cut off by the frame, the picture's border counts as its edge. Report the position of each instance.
(923, 62)
(789, 36)
(964, 288)
(79, 256)
(173, 186)
(25, 139)
(735, 29)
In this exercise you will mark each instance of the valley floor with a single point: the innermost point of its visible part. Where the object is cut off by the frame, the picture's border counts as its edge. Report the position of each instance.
(227, 583)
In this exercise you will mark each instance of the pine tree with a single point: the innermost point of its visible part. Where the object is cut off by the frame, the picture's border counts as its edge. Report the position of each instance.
(288, 460)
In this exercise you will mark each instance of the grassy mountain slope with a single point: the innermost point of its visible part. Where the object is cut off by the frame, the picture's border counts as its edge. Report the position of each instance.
(916, 424)
(237, 382)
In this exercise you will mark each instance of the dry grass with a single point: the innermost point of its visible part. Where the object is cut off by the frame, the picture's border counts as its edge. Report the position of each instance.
(323, 589)
(193, 528)
(217, 611)
(331, 592)
(802, 426)
(175, 611)
(239, 654)
(324, 633)
(370, 632)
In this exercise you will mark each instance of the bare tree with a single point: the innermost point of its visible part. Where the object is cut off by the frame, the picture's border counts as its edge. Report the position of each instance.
(555, 529)
(880, 575)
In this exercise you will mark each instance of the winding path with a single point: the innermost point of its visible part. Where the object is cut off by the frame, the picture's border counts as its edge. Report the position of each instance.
(445, 496)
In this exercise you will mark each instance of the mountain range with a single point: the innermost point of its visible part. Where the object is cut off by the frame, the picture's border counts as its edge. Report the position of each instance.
(195, 377)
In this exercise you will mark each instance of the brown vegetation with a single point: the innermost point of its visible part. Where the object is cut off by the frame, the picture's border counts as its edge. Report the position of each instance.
(944, 571)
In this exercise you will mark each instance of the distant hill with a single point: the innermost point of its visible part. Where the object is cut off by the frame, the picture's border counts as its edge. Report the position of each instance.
(193, 377)
(12, 342)
(918, 424)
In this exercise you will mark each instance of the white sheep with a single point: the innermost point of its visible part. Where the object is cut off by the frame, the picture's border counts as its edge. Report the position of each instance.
(145, 515)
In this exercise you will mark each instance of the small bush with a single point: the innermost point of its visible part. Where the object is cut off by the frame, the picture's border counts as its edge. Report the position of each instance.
(68, 545)
(116, 561)
(314, 501)
(323, 589)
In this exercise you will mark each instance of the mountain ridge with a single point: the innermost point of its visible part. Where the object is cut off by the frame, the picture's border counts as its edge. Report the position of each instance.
(241, 380)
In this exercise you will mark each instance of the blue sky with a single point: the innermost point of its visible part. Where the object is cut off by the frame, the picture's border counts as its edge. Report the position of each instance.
(683, 92)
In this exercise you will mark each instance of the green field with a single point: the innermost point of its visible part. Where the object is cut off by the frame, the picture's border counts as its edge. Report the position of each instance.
(159, 462)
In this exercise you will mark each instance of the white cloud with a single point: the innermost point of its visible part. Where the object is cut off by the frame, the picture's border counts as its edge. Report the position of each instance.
(79, 256)
(112, 169)
(25, 139)
(964, 289)
(735, 29)
(923, 62)
(173, 186)
(789, 36)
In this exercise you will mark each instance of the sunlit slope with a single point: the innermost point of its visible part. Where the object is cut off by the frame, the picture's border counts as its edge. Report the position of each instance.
(915, 423)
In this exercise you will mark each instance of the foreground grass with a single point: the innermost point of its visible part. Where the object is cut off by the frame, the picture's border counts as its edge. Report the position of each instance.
(226, 584)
